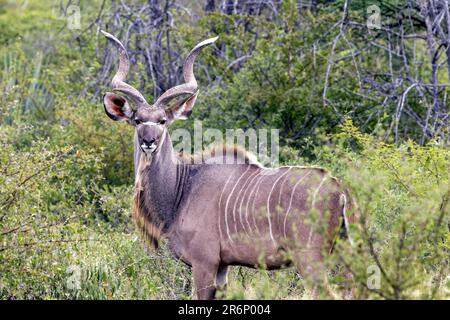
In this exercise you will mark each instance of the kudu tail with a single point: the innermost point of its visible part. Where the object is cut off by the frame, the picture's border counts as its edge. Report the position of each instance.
(350, 215)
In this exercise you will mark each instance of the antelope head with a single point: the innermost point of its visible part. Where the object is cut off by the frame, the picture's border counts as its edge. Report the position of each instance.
(151, 121)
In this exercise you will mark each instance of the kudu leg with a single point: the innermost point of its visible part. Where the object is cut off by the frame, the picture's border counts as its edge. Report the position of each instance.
(222, 276)
(349, 292)
(205, 280)
(222, 279)
(310, 264)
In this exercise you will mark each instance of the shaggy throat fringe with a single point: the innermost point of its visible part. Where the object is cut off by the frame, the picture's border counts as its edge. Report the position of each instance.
(147, 226)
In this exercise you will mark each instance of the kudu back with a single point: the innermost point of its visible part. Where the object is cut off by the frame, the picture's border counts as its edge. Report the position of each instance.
(219, 215)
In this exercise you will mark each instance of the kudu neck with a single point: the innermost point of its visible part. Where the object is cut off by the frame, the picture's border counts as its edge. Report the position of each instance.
(163, 181)
(164, 158)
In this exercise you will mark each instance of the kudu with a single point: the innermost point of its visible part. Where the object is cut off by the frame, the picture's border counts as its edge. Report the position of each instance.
(217, 215)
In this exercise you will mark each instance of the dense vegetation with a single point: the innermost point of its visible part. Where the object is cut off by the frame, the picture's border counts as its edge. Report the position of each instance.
(370, 105)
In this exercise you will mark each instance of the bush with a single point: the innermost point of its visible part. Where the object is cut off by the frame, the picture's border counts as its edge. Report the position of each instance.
(403, 194)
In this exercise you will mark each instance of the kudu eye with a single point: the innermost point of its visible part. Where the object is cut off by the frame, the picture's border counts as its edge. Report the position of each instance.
(137, 121)
(162, 121)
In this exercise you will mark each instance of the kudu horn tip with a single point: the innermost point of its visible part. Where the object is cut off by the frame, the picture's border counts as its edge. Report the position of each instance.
(110, 37)
(106, 34)
(205, 43)
(214, 39)
(210, 40)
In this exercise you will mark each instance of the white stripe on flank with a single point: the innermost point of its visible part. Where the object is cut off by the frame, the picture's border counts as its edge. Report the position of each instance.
(317, 191)
(290, 201)
(257, 185)
(248, 199)
(220, 201)
(279, 198)
(312, 207)
(234, 207)
(268, 204)
(229, 197)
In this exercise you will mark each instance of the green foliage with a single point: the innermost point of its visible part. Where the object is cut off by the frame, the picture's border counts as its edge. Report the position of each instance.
(403, 193)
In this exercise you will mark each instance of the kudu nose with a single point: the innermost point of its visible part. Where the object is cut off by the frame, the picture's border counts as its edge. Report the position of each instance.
(149, 142)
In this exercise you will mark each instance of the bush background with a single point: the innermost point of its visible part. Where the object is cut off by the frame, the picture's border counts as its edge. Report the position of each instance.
(66, 179)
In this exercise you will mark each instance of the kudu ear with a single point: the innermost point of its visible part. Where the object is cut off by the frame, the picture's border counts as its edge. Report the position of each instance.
(117, 107)
(182, 109)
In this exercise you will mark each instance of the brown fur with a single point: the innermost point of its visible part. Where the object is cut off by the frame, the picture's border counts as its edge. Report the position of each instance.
(149, 228)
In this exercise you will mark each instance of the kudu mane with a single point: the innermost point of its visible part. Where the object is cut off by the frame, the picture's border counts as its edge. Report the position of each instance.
(219, 153)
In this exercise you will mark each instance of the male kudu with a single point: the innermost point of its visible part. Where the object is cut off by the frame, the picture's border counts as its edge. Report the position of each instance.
(217, 215)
